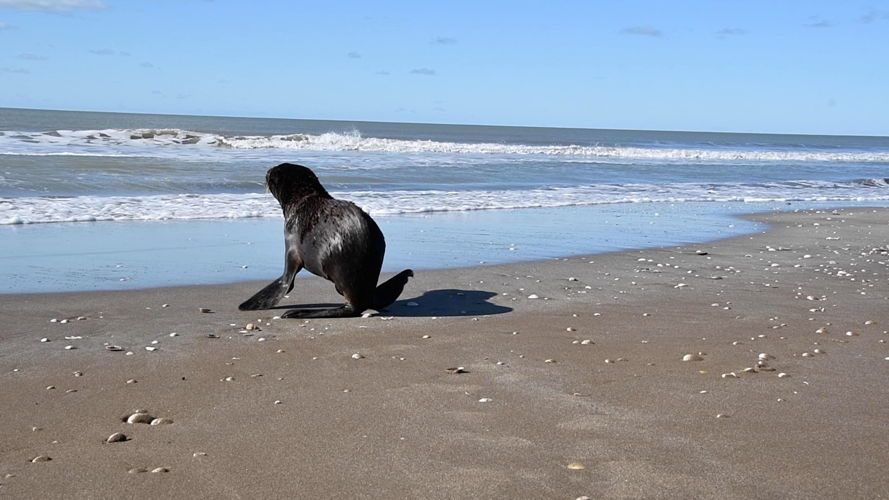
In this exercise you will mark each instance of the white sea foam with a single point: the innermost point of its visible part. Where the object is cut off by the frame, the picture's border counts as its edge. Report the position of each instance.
(183, 143)
(31, 210)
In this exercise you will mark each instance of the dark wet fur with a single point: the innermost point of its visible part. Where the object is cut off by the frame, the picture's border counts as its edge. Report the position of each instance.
(331, 238)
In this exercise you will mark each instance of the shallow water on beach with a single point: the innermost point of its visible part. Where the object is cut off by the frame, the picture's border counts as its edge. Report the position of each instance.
(133, 255)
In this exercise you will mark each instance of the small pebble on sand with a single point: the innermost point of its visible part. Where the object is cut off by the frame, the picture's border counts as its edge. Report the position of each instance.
(485, 400)
(137, 470)
(783, 375)
(692, 357)
(157, 470)
(204, 310)
(575, 466)
(357, 355)
(40, 458)
(161, 421)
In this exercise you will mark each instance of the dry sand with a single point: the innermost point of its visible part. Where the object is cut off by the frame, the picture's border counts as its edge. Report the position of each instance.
(580, 391)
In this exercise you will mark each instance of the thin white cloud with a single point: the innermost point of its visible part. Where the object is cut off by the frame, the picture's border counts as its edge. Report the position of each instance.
(423, 71)
(646, 30)
(19, 71)
(874, 16)
(53, 5)
(724, 32)
(28, 56)
(4, 26)
(818, 22)
(444, 40)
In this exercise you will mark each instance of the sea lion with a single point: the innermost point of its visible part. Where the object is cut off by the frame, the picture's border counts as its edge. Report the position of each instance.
(331, 238)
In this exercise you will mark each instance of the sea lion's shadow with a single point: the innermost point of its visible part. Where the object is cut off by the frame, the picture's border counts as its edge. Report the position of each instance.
(448, 302)
(445, 302)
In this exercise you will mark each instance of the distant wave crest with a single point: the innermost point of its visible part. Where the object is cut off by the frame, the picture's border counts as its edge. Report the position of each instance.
(32, 210)
(148, 142)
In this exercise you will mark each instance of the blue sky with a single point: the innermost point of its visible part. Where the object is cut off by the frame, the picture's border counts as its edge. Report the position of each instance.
(816, 67)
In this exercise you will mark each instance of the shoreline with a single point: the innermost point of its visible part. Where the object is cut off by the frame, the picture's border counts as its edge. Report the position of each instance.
(140, 255)
(579, 391)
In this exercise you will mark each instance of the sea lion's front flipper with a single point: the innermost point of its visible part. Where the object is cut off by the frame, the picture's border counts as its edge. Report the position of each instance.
(268, 297)
(337, 312)
(388, 292)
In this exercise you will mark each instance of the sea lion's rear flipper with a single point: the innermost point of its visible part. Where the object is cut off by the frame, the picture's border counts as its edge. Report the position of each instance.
(336, 312)
(388, 292)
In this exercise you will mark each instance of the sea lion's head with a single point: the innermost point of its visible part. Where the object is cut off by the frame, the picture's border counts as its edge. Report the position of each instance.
(290, 183)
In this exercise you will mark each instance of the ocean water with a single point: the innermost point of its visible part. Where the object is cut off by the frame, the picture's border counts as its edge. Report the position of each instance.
(77, 185)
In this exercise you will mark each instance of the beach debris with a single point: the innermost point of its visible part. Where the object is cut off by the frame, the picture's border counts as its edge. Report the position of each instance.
(549, 360)
(730, 375)
(50, 387)
(157, 470)
(161, 421)
(251, 326)
(572, 278)
(783, 375)
(116, 438)
(692, 357)
(586, 342)
(575, 466)
(137, 470)
(113, 348)
(78, 373)
(212, 336)
(765, 357)
(457, 370)
(150, 348)
(139, 417)
(533, 296)
(722, 415)
(700, 252)
(40, 458)
(227, 379)
(205, 310)
(199, 454)
(44, 339)
(132, 381)
(485, 400)
(357, 355)
(70, 347)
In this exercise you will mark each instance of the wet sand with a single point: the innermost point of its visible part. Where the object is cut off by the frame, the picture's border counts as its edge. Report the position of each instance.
(571, 382)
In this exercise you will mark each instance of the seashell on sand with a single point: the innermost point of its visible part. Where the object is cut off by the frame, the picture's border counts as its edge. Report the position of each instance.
(139, 418)
(116, 438)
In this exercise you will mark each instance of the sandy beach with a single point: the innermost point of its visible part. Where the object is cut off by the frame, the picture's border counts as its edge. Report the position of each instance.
(551, 379)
